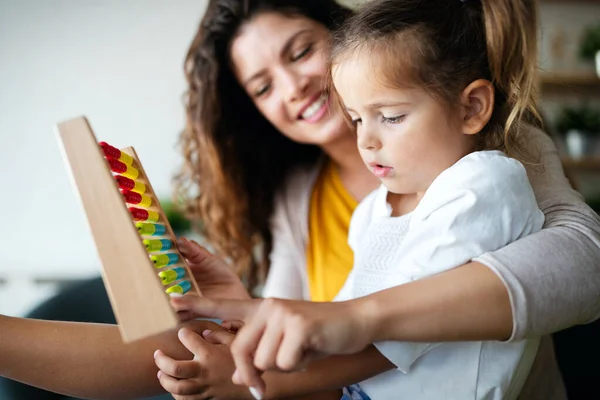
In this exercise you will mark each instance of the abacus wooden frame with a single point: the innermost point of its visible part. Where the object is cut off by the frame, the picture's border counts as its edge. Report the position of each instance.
(136, 293)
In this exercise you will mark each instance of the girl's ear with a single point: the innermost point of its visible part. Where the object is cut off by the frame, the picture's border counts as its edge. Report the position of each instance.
(478, 104)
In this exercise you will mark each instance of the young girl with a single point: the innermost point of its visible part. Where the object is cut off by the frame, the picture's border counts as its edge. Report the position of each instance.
(436, 103)
(432, 125)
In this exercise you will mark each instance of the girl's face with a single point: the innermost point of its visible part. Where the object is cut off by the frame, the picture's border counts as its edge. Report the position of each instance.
(405, 136)
(281, 62)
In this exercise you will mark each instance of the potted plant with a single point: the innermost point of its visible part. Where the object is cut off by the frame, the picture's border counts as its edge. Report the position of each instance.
(580, 127)
(590, 45)
(179, 223)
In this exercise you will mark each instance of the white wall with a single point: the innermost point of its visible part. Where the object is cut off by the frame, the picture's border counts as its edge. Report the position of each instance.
(117, 62)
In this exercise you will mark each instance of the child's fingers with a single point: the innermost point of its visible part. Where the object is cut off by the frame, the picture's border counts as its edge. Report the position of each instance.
(192, 341)
(186, 315)
(218, 337)
(234, 325)
(175, 368)
(180, 387)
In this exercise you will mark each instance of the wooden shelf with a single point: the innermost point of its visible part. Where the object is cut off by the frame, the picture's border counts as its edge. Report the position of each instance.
(571, 1)
(570, 79)
(586, 163)
(560, 83)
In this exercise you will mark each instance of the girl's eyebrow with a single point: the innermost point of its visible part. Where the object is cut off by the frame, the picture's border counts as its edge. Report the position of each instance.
(377, 105)
(386, 104)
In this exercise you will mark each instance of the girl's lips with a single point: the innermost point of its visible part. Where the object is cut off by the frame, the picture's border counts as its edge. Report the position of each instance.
(381, 171)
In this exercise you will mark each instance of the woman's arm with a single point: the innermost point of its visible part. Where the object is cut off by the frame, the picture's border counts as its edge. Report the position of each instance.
(465, 303)
(552, 277)
(535, 286)
(538, 285)
(84, 360)
(324, 375)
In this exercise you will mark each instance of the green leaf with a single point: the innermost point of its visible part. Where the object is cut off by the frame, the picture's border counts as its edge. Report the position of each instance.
(590, 43)
(179, 223)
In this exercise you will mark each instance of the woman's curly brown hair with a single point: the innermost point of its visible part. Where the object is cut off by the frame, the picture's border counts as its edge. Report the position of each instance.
(235, 160)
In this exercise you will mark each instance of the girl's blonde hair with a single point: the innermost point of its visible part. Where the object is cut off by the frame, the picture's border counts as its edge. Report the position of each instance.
(444, 45)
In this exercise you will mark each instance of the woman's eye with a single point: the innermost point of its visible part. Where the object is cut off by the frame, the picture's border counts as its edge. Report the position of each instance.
(356, 121)
(392, 120)
(302, 53)
(262, 90)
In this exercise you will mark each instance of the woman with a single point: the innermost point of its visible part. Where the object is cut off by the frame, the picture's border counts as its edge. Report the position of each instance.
(238, 157)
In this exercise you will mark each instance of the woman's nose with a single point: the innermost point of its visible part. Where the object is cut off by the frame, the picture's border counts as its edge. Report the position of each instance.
(295, 85)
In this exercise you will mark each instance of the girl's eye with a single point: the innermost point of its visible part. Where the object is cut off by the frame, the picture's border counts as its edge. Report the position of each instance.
(392, 120)
(356, 121)
(302, 53)
(264, 89)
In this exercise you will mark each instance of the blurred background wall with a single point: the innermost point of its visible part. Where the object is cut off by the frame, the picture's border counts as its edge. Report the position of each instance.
(120, 63)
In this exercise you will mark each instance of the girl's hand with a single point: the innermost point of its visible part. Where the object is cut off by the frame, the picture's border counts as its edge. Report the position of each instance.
(285, 335)
(233, 326)
(214, 276)
(208, 375)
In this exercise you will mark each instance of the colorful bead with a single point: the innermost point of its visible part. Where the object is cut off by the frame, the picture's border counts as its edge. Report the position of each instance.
(150, 229)
(139, 214)
(162, 260)
(182, 287)
(129, 184)
(113, 152)
(136, 198)
(123, 169)
(157, 244)
(171, 275)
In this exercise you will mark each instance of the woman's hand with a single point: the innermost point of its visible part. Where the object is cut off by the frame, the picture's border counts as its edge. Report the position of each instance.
(214, 276)
(208, 375)
(285, 335)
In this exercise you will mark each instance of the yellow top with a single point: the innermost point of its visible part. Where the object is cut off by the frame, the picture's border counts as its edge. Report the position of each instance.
(329, 258)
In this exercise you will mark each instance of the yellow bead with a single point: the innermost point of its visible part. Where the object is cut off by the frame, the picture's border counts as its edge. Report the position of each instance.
(126, 158)
(139, 187)
(152, 216)
(146, 201)
(131, 172)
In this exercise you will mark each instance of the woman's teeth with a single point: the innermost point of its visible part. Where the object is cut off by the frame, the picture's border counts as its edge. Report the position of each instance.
(314, 107)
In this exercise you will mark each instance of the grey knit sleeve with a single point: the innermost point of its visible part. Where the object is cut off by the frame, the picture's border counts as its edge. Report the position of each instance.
(553, 276)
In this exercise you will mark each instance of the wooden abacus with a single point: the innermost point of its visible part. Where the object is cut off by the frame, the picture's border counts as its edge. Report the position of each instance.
(140, 261)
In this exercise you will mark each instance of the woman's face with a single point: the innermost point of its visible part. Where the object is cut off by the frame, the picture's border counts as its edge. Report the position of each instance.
(281, 62)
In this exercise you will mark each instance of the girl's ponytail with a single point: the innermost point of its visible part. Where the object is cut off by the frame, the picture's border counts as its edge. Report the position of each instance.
(511, 36)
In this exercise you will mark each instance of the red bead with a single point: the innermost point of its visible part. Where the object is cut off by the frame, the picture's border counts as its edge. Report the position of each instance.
(124, 182)
(110, 151)
(117, 166)
(132, 197)
(138, 214)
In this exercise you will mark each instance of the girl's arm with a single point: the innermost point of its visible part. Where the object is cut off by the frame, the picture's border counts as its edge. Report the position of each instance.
(84, 360)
